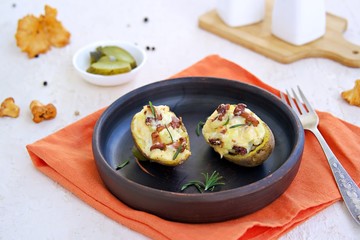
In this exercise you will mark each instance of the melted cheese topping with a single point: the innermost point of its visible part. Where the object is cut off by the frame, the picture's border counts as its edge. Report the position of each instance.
(230, 134)
(142, 130)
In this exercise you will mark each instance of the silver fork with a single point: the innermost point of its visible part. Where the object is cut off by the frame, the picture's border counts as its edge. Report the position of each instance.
(350, 192)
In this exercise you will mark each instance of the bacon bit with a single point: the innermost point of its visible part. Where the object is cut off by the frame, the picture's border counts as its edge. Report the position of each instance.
(159, 128)
(176, 122)
(176, 144)
(240, 111)
(155, 137)
(251, 119)
(183, 144)
(158, 145)
(159, 116)
(148, 121)
(222, 109)
(156, 140)
(239, 150)
(223, 130)
(181, 141)
(215, 141)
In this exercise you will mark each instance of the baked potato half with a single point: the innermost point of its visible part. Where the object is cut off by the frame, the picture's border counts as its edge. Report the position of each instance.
(160, 136)
(239, 135)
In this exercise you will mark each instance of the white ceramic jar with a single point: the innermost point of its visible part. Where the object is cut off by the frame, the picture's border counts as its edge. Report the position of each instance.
(237, 13)
(298, 21)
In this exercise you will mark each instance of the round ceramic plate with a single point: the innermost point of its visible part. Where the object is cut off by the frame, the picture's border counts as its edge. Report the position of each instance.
(156, 189)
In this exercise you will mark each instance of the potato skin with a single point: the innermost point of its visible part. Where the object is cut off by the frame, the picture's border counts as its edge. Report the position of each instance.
(257, 156)
(164, 157)
(163, 161)
(239, 135)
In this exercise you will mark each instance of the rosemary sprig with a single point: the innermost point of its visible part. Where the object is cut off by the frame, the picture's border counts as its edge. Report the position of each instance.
(199, 185)
(121, 165)
(152, 109)
(199, 127)
(178, 150)
(211, 181)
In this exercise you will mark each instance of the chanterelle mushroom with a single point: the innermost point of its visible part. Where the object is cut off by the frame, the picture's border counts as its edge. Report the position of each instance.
(8, 108)
(42, 112)
(352, 96)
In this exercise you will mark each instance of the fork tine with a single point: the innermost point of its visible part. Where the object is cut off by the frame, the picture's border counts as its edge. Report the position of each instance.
(298, 102)
(307, 104)
(282, 96)
(292, 103)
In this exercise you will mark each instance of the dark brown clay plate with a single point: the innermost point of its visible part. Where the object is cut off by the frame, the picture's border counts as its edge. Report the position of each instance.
(157, 190)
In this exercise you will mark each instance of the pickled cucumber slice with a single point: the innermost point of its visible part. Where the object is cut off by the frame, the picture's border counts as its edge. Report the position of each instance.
(95, 56)
(108, 65)
(118, 53)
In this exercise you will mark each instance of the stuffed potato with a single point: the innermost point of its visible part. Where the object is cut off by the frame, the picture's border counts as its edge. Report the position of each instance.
(160, 135)
(239, 135)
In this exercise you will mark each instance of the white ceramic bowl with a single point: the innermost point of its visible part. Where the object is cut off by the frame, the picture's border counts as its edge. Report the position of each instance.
(81, 62)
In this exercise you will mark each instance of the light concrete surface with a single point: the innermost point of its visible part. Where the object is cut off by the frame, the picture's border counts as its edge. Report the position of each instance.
(32, 206)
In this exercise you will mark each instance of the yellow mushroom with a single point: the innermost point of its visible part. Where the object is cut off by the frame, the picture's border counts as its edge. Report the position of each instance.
(42, 112)
(352, 96)
(8, 108)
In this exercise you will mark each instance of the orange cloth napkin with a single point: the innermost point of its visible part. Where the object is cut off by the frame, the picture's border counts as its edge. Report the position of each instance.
(66, 157)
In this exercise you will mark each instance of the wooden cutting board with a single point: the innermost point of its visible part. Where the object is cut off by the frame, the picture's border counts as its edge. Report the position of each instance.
(258, 38)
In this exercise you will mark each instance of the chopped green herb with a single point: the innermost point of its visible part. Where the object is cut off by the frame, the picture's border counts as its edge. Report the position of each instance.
(199, 127)
(172, 140)
(238, 125)
(152, 109)
(178, 150)
(227, 121)
(123, 164)
(209, 185)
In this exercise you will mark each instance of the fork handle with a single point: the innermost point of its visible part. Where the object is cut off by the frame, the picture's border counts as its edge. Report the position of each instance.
(350, 192)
